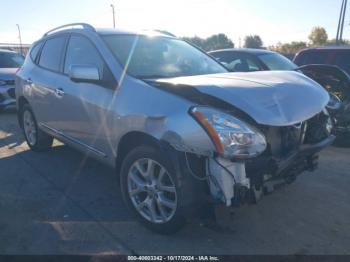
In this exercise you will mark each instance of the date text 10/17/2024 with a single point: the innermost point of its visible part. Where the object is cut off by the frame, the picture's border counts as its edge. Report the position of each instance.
(173, 258)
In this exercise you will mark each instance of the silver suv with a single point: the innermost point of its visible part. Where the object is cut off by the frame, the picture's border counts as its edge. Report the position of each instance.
(178, 128)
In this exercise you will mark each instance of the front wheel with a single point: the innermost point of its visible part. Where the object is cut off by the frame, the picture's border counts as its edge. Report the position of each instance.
(151, 190)
(36, 139)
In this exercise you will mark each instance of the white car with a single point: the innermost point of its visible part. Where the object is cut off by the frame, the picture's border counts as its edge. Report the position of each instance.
(9, 63)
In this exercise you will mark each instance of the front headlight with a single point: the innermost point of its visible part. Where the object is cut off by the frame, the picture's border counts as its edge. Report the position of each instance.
(231, 136)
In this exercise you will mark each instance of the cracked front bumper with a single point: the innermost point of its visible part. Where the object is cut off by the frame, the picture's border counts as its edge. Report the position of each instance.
(231, 184)
(303, 152)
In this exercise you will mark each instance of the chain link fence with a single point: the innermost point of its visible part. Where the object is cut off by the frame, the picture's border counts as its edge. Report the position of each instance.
(23, 49)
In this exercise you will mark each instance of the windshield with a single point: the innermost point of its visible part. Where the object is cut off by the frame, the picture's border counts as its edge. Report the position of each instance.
(160, 57)
(277, 62)
(11, 60)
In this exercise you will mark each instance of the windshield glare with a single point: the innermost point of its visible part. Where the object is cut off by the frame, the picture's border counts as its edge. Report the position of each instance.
(277, 62)
(11, 60)
(160, 57)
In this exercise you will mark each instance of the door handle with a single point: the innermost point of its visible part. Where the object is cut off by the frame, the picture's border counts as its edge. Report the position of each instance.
(29, 81)
(59, 92)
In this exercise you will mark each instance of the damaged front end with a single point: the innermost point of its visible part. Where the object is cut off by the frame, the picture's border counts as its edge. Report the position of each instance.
(279, 157)
(267, 128)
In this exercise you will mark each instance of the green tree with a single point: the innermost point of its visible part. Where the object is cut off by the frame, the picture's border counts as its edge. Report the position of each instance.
(318, 36)
(289, 48)
(253, 41)
(195, 40)
(219, 41)
(214, 42)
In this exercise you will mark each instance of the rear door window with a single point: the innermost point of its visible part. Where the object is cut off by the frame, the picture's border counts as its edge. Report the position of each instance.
(237, 62)
(315, 57)
(51, 54)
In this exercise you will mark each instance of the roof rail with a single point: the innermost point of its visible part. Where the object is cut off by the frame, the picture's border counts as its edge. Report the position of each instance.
(164, 32)
(84, 25)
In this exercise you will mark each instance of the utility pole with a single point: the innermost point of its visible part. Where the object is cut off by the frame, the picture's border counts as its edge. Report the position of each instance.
(20, 38)
(342, 24)
(113, 11)
(340, 30)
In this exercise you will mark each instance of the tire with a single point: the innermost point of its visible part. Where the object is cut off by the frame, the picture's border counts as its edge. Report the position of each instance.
(37, 140)
(166, 219)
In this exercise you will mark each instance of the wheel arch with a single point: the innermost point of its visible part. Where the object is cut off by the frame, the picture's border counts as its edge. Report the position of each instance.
(132, 140)
(21, 101)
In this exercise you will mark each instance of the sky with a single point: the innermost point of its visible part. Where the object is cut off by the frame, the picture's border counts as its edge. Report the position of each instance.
(274, 20)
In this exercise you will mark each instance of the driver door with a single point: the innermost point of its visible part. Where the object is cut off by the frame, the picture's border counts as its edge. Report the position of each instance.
(83, 106)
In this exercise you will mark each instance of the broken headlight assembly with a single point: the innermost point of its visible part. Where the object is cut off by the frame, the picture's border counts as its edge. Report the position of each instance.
(232, 137)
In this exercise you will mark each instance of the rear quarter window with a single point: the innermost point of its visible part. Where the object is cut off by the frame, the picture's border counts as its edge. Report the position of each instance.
(35, 50)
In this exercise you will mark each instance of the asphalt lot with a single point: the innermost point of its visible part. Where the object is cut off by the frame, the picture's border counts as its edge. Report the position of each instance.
(61, 203)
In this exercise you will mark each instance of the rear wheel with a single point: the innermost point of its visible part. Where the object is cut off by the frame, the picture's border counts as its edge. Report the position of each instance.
(36, 139)
(151, 190)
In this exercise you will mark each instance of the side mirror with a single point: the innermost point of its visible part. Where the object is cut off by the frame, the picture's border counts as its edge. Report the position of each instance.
(84, 73)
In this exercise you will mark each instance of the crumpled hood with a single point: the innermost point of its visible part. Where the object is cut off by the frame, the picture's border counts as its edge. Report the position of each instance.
(275, 98)
(8, 73)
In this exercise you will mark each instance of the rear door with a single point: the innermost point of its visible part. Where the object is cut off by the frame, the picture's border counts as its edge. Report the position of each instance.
(84, 106)
(42, 83)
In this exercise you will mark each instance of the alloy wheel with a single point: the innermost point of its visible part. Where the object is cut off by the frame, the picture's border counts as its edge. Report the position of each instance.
(152, 191)
(29, 127)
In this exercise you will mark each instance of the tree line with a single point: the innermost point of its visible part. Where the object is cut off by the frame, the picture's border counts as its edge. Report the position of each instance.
(317, 37)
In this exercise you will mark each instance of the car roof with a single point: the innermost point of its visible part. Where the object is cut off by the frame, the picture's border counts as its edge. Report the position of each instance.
(341, 47)
(108, 31)
(153, 32)
(71, 28)
(244, 50)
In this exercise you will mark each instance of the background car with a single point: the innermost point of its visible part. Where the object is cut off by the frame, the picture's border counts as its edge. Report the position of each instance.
(337, 83)
(9, 63)
(249, 60)
(333, 55)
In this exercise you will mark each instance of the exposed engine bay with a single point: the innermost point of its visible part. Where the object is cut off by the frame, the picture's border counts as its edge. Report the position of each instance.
(291, 151)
